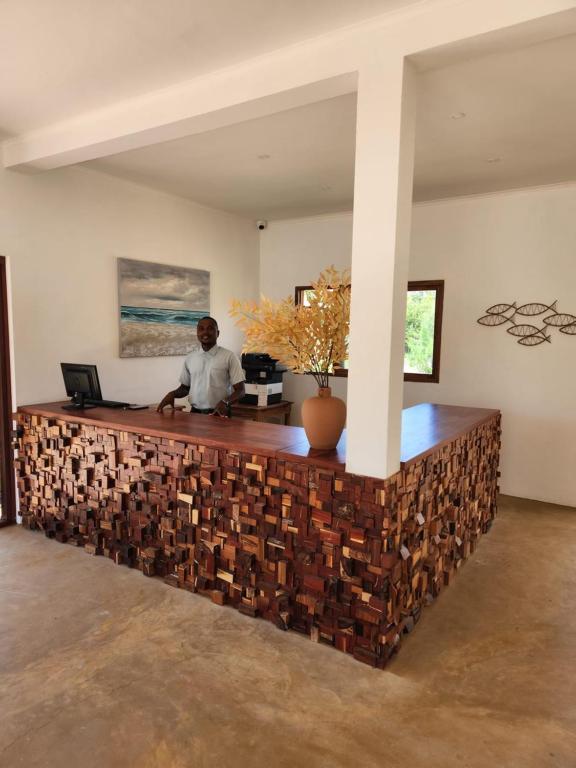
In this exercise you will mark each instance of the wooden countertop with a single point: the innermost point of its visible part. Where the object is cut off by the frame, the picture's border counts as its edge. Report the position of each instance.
(425, 428)
(237, 434)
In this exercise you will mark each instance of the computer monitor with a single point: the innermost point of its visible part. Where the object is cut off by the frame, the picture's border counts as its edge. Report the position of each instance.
(81, 382)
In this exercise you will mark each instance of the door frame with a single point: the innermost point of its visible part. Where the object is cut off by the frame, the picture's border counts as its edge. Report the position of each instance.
(7, 464)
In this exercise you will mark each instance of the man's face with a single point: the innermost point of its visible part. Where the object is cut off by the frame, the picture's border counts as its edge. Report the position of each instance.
(207, 333)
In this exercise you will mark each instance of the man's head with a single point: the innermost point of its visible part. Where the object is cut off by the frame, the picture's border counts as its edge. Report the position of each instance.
(207, 332)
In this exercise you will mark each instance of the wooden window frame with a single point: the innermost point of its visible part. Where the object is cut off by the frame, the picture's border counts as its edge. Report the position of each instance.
(6, 464)
(413, 285)
(438, 286)
(299, 291)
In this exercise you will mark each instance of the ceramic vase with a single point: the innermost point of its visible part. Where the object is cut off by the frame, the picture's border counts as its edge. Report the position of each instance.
(323, 418)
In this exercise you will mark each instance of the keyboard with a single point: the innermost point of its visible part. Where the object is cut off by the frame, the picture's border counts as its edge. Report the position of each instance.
(108, 403)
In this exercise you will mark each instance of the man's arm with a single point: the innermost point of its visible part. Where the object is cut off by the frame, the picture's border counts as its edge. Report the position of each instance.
(222, 407)
(168, 399)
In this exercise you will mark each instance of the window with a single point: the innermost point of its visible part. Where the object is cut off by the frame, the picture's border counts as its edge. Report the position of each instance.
(423, 329)
(301, 294)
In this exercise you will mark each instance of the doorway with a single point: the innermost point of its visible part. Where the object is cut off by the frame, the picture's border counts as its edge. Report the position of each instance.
(7, 490)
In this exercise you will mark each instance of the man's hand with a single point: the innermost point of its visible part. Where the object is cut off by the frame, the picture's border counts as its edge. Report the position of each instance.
(167, 400)
(221, 410)
(181, 391)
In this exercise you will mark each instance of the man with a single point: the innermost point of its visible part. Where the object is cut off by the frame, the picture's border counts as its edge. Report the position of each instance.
(212, 378)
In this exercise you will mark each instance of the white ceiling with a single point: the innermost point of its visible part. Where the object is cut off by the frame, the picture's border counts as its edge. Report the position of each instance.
(294, 163)
(518, 130)
(64, 57)
(520, 112)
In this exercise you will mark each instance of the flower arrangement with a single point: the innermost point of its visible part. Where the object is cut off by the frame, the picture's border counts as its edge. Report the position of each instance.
(306, 339)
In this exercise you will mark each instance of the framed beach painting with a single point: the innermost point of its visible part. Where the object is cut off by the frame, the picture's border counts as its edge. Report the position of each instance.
(160, 306)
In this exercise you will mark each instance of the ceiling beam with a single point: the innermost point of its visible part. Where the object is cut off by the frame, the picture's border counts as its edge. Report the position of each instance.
(183, 111)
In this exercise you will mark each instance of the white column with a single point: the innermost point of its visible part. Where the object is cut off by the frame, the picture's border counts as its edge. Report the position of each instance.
(380, 253)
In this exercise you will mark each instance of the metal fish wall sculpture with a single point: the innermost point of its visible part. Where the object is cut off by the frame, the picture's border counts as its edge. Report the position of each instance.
(529, 335)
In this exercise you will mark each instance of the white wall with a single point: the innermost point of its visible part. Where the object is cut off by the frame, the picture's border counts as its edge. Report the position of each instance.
(62, 232)
(295, 251)
(292, 253)
(488, 249)
(517, 246)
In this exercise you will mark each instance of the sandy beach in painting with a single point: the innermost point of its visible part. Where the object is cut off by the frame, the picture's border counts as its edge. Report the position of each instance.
(156, 339)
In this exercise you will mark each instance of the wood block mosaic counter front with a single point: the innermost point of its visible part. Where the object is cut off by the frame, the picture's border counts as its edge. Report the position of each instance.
(288, 536)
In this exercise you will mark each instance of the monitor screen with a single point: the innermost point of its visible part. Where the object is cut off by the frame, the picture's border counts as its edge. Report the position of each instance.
(80, 379)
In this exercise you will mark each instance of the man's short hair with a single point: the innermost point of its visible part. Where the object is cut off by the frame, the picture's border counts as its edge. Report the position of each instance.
(207, 317)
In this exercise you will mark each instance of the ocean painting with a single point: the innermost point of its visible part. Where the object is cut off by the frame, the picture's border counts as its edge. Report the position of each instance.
(160, 306)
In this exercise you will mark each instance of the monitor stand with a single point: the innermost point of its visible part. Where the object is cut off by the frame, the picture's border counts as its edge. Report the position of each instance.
(77, 403)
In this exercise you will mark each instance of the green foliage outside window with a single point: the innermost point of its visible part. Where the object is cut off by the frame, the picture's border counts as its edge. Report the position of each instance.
(419, 340)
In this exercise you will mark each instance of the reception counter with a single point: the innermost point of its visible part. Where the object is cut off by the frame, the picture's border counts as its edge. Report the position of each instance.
(248, 515)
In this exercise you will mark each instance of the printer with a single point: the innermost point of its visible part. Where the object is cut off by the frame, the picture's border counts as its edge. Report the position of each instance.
(263, 385)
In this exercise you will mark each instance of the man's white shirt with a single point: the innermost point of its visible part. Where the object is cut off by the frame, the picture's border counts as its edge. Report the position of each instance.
(211, 376)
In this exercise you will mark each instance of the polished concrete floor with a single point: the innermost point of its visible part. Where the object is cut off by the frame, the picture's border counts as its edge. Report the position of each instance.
(100, 666)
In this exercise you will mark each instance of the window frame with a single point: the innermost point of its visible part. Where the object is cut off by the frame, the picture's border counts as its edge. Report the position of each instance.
(8, 485)
(413, 285)
(438, 286)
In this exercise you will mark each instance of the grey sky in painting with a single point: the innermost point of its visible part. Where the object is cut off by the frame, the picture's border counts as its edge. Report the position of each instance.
(160, 286)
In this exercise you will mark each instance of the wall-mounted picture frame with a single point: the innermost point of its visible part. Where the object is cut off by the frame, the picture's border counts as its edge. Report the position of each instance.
(160, 306)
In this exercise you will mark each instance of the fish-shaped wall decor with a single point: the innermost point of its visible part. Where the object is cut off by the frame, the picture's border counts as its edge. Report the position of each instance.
(533, 340)
(526, 330)
(493, 320)
(529, 335)
(500, 309)
(535, 308)
(557, 321)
